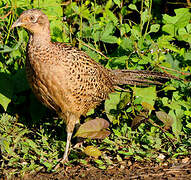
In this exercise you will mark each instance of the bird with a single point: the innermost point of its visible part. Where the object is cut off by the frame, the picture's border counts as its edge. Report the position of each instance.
(66, 79)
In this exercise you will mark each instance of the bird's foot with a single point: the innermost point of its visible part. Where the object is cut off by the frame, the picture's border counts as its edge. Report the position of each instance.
(61, 162)
(65, 157)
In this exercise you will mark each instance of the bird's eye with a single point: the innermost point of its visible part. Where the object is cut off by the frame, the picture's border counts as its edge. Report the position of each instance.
(32, 18)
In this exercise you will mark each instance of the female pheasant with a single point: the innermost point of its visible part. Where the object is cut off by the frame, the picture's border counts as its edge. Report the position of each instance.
(66, 79)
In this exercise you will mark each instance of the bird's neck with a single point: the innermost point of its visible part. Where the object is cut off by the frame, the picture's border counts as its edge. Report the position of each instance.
(39, 39)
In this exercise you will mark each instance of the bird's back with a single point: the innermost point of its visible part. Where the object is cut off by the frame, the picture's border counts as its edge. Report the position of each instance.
(66, 79)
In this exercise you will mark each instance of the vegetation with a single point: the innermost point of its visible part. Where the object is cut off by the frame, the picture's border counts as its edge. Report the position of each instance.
(146, 123)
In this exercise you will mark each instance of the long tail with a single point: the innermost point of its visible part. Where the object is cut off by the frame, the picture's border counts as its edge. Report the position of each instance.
(139, 77)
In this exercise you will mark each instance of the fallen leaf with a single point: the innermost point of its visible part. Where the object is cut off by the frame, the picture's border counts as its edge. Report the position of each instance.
(94, 129)
(161, 156)
(92, 151)
(147, 106)
(142, 117)
(185, 160)
(165, 118)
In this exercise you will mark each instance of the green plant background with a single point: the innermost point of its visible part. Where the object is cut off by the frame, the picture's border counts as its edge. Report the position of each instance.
(145, 121)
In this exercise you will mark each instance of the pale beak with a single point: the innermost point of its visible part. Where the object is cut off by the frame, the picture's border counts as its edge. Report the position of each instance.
(17, 23)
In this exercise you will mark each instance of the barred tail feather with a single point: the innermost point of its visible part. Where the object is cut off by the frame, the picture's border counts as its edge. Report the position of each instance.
(139, 77)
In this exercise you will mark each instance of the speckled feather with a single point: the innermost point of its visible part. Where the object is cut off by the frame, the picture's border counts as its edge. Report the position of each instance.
(66, 79)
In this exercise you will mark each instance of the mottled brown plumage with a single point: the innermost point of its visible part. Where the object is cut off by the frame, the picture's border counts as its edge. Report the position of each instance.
(65, 79)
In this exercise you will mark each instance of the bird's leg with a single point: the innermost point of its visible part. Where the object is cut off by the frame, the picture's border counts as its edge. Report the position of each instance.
(71, 120)
(65, 157)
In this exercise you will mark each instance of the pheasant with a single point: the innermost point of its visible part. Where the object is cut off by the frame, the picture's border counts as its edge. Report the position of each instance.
(66, 79)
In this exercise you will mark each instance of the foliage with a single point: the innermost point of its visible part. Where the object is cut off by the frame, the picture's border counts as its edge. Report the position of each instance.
(118, 34)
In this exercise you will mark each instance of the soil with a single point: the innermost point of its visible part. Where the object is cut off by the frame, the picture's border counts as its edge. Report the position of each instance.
(177, 170)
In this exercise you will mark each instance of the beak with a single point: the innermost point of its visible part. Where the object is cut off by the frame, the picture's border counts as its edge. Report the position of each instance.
(17, 23)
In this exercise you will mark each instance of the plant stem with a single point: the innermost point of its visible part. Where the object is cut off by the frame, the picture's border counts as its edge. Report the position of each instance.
(150, 5)
(141, 24)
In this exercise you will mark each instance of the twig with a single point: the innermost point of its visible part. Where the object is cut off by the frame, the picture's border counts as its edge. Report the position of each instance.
(177, 170)
(6, 15)
(164, 131)
(65, 3)
(93, 49)
(162, 67)
(177, 3)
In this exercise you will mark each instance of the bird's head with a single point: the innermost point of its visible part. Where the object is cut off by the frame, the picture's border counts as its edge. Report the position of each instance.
(34, 20)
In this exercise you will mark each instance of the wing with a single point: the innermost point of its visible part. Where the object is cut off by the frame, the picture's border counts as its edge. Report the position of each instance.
(82, 82)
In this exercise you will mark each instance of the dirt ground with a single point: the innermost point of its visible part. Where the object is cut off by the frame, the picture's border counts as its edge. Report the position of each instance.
(177, 170)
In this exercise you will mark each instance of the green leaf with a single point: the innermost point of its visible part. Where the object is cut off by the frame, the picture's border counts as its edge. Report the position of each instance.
(174, 23)
(5, 145)
(147, 3)
(125, 153)
(56, 30)
(84, 12)
(124, 28)
(118, 62)
(136, 32)
(111, 16)
(90, 112)
(144, 60)
(133, 7)
(127, 44)
(32, 144)
(47, 164)
(148, 94)
(51, 8)
(188, 125)
(144, 16)
(125, 99)
(15, 54)
(4, 101)
(169, 88)
(117, 132)
(169, 28)
(177, 125)
(8, 49)
(6, 90)
(181, 19)
(107, 36)
(154, 28)
(112, 103)
(118, 2)
(108, 4)
(109, 39)
(183, 35)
